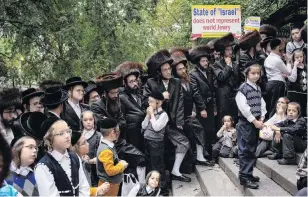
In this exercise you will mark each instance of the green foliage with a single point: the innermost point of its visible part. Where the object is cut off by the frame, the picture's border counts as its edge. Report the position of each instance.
(56, 39)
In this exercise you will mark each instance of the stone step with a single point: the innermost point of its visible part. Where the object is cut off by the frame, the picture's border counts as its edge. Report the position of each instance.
(283, 175)
(267, 187)
(187, 189)
(215, 182)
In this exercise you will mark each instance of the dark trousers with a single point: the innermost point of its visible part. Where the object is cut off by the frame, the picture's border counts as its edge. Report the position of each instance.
(220, 150)
(301, 183)
(247, 144)
(274, 90)
(263, 146)
(289, 145)
(154, 153)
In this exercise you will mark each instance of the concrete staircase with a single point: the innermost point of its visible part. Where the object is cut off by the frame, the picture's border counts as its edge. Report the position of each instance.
(222, 180)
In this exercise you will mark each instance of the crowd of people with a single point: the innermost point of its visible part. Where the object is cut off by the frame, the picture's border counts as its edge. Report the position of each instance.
(244, 98)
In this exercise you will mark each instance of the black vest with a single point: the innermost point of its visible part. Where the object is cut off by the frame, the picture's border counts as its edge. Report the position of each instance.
(143, 191)
(62, 182)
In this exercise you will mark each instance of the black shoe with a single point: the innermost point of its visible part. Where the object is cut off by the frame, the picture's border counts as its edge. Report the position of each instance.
(274, 156)
(249, 184)
(254, 178)
(205, 163)
(287, 161)
(180, 178)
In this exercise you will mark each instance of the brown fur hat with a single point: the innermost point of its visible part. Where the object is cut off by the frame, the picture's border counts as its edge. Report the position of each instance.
(157, 60)
(251, 39)
(269, 30)
(199, 51)
(223, 42)
(126, 66)
(107, 82)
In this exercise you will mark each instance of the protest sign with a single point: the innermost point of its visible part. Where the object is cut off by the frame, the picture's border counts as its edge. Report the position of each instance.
(210, 21)
(252, 23)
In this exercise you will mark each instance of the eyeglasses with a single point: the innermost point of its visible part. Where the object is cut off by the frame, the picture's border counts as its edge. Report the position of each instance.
(62, 133)
(31, 147)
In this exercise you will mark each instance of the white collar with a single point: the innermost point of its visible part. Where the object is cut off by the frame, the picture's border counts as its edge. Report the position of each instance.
(72, 103)
(158, 110)
(254, 85)
(22, 170)
(110, 144)
(88, 134)
(54, 114)
(149, 189)
(59, 156)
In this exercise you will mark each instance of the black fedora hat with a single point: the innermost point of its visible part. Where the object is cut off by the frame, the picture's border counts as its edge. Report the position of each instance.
(31, 123)
(73, 81)
(53, 96)
(30, 93)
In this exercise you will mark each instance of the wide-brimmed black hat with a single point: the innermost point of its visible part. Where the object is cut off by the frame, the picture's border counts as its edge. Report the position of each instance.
(73, 81)
(109, 82)
(54, 95)
(31, 123)
(108, 123)
(156, 94)
(30, 93)
(157, 60)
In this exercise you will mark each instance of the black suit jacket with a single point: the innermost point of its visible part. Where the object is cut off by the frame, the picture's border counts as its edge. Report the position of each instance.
(174, 106)
(70, 116)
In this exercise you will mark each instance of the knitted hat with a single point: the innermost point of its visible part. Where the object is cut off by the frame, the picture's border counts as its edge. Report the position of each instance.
(274, 43)
(250, 39)
(268, 30)
(108, 123)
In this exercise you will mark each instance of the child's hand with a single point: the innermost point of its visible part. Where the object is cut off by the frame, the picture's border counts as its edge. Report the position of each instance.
(296, 63)
(223, 127)
(277, 136)
(258, 124)
(228, 61)
(101, 190)
(124, 163)
(166, 95)
(151, 110)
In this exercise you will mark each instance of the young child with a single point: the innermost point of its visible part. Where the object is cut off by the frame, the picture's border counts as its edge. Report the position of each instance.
(81, 147)
(109, 167)
(151, 188)
(296, 41)
(293, 133)
(154, 129)
(252, 110)
(227, 135)
(21, 175)
(5, 160)
(59, 172)
(297, 82)
(93, 138)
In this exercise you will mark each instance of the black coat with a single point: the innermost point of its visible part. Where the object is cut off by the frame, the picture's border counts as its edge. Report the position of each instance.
(227, 84)
(174, 106)
(203, 89)
(134, 114)
(70, 116)
(188, 101)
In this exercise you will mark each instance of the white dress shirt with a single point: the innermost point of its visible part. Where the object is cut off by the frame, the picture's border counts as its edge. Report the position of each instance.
(275, 67)
(158, 124)
(76, 108)
(166, 84)
(22, 170)
(45, 180)
(88, 134)
(243, 106)
(110, 144)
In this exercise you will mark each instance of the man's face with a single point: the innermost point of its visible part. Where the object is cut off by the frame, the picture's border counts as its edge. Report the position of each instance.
(77, 92)
(93, 97)
(132, 82)
(204, 62)
(35, 105)
(180, 69)
(9, 114)
(166, 71)
(295, 35)
(216, 55)
(228, 51)
(113, 94)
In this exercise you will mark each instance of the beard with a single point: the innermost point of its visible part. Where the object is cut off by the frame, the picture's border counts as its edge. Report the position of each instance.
(134, 90)
(113, 106)
(185, 77)
(8, 123)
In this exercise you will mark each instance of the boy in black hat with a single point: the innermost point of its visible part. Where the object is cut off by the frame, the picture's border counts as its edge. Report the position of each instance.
(31, 100)
(73, 106)
(153, 127)
(60, 171)
(109, 167)
(53, 100)
(10, 109)
(252, 111)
